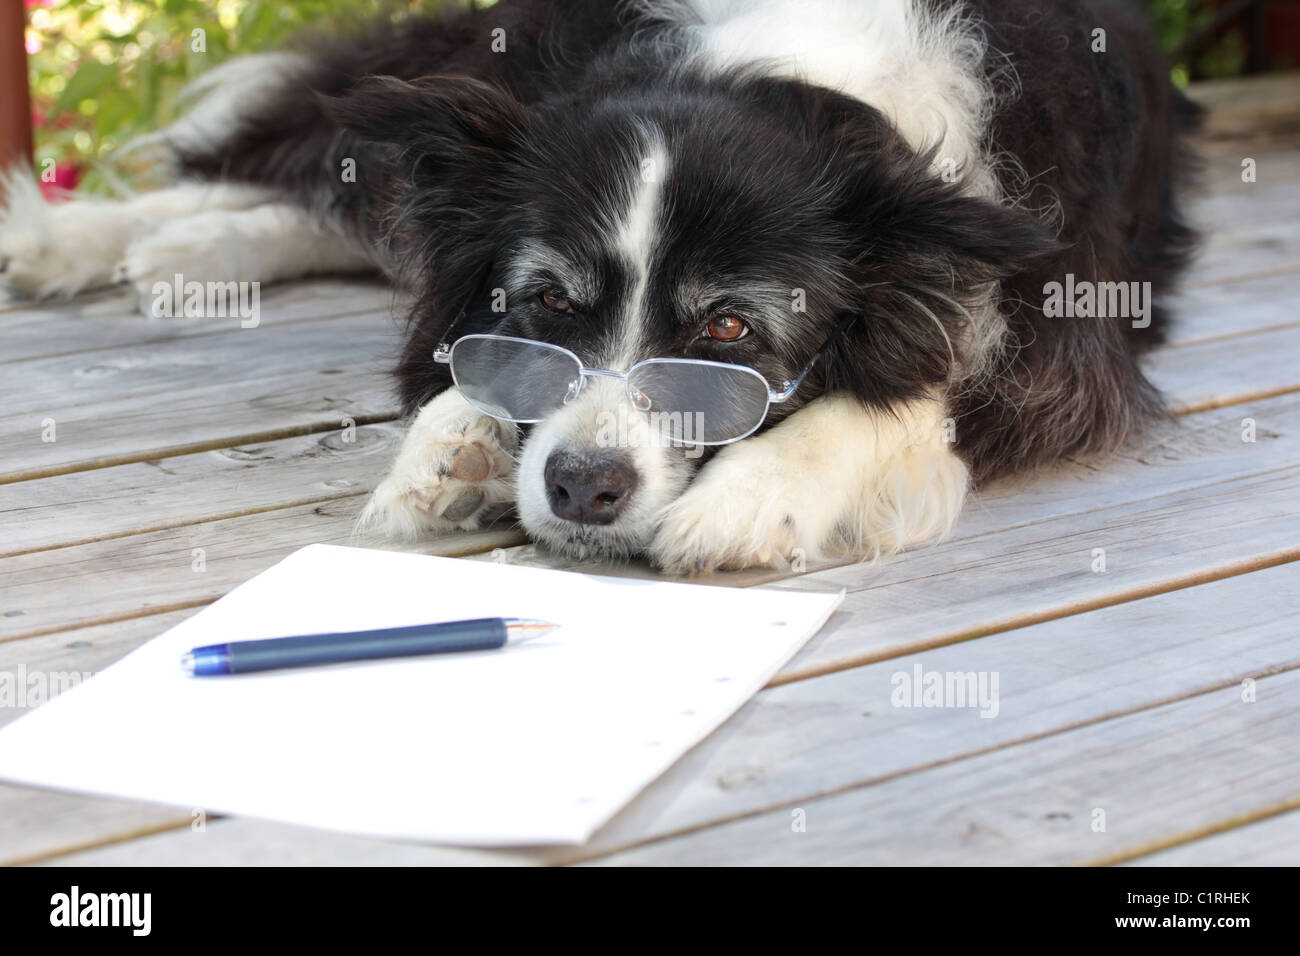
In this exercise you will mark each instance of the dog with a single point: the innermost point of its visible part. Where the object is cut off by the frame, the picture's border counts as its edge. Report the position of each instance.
(867, 206)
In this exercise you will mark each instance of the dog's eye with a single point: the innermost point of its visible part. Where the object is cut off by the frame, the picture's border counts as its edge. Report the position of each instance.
(726, 328)
(556, 299)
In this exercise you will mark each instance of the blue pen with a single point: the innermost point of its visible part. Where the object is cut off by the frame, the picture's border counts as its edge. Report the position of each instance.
(309, 650)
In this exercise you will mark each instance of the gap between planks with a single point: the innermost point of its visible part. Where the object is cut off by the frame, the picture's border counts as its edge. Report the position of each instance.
(1016, 622)
(1211, 670)
(1154, 484)
(191, 448)
(1226, 825)
(186, 821)
(1011, 780)
(1120, 857)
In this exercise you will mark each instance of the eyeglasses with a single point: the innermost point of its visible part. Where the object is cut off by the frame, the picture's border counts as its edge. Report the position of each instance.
(688, 401)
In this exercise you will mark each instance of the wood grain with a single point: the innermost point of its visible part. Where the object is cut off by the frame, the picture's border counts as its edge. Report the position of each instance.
(1043, 571)
(1052, 678)
(1211, 374)
(86, 506)
(249, 385)
(153, 572)
(1231, 309)
(1156, 775)
(1272, 841)
(107, 321)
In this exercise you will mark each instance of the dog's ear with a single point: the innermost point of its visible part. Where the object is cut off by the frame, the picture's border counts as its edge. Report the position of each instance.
(908, 214)
(924, 251)
(435, 124)
(891, 195)
(440, 149)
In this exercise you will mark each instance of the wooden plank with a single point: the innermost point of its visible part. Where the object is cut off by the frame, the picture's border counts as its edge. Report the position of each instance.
(129, 429)
(149, 573)
(1193, 451)
(42, 820)
(1211, 374)
(1274, 841)
(147, 496)
(160, 371)
(1232, 309)
(216, 391)
(1042, 571)
(1193, 456)
(1221, 164)
(1228, 254)
(1157, 775)
(226, 842)
(1051, 678)
(1100, 665)
(1249, 106)
(109, 321)
(1273, 197)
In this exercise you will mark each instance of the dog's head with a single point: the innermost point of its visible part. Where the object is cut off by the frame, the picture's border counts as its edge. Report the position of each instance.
(734, 219)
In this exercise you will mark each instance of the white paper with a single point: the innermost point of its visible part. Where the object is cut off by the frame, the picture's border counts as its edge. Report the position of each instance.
(538, 743)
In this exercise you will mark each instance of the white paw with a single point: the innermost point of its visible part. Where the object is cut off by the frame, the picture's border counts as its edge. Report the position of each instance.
(454, 465)
(200, 248)
(734, 515)
(54, 250)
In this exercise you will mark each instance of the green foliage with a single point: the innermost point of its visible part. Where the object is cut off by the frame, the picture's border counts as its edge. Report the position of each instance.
(104, 71)
(1175, 20)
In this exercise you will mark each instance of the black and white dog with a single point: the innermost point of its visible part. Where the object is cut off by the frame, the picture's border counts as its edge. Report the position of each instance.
(723, 180)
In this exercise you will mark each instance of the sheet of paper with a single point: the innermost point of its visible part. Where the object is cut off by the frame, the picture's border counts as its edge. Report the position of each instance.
(538, 743)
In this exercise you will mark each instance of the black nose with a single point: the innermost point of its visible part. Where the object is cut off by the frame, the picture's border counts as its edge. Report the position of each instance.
(590, 488)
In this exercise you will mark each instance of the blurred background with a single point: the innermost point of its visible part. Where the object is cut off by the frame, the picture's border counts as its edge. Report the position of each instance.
(102, 71)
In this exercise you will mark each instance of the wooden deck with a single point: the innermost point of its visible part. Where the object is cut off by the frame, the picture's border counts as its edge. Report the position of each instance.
(1121, 692)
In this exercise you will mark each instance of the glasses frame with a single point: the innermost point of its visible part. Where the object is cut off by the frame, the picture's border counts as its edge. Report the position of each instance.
(445, 352)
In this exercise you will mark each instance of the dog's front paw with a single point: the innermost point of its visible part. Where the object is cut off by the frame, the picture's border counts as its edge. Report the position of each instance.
(454, 465)
(728, 520)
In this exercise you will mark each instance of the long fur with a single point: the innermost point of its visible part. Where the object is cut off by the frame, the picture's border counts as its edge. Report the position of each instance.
(927, 165)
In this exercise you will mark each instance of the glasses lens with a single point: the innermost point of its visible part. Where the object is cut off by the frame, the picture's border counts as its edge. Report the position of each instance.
(699, 403)
(512, 378)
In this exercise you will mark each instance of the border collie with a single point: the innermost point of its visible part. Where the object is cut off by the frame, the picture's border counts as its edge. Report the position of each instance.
(856, 217)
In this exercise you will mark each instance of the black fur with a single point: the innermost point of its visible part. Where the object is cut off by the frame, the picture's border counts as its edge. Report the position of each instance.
(463, 154)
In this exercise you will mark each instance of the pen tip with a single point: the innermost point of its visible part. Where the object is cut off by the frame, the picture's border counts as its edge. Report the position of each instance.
(187, 663)
(522, 629)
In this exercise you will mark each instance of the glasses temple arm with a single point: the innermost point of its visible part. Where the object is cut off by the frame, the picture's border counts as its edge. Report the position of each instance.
(788, 387)
(442, 352)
